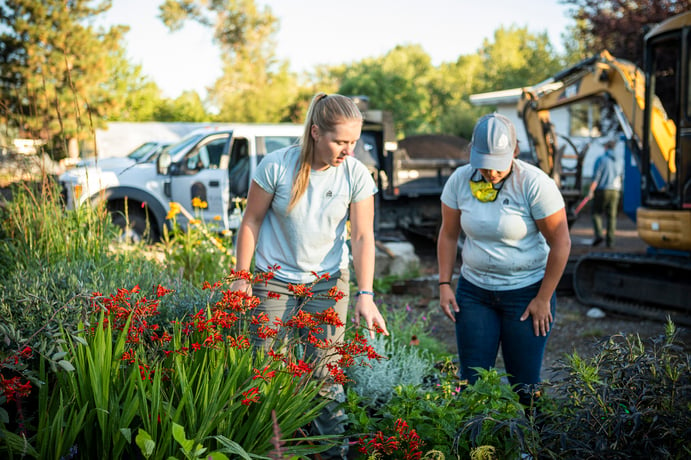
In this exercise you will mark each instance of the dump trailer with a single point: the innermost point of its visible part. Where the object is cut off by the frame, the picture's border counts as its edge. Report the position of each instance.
(410, 174)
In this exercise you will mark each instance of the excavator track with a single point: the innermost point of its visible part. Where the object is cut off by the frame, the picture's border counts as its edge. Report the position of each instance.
(649, 286)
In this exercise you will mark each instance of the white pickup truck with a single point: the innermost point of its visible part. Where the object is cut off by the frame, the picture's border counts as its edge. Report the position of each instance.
(212, 164)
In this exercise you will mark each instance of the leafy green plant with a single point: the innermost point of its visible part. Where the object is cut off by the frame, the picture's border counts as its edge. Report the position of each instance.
(402, 365)
(631, 399)
(122, 372)
(450, 417)
(188, 447)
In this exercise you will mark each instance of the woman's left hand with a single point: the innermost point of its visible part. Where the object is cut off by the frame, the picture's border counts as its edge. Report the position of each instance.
(541, 313)
(366, 308)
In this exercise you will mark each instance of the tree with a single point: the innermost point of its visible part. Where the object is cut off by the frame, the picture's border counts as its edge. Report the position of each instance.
(515, 58)
(397, 81)
(142, 97)
(54, 70)
(255, 86)
(619, 25)
(186, 107)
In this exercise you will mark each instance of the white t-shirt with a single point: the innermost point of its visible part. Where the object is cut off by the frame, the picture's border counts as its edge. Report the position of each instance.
(313, 236)
(503, 248)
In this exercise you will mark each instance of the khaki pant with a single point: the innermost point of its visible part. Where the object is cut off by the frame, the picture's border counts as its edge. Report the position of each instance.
(605, 202)
(332, 419)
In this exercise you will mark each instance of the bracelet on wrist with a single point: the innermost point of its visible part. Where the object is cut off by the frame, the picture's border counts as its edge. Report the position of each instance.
(359, 293)
(444, 282)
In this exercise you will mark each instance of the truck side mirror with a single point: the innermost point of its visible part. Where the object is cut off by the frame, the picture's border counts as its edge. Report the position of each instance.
(163, 163)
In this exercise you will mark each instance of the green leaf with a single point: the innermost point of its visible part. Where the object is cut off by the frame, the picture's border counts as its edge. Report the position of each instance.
(233, 447)
(66, 365)
(217, 456)
(59, 355)
(145, 443)
(127, 433)
(179, 435)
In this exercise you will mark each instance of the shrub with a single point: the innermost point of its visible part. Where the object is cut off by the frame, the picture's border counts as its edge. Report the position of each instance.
(630, 400)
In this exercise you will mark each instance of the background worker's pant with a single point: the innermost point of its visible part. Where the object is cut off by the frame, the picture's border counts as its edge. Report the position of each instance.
(605, 202)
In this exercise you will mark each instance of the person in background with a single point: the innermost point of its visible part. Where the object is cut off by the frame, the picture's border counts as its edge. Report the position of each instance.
(297, 207)
(605, 192)
(515, 250)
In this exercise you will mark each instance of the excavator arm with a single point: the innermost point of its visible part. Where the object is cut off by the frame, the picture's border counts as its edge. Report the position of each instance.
(599, 76)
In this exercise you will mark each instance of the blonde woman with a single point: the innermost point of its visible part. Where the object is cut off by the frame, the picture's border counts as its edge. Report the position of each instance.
(297, 207)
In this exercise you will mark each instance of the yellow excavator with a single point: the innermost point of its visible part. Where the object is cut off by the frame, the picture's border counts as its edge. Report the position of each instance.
(653, 108)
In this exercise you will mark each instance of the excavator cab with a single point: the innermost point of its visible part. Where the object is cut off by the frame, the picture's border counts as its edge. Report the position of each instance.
(664, 218)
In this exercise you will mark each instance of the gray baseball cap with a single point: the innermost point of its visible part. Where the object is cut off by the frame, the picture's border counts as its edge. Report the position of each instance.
(493, 143)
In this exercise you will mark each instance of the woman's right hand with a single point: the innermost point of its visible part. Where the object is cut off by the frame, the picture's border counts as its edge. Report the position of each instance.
(241, 285)
(447, 301)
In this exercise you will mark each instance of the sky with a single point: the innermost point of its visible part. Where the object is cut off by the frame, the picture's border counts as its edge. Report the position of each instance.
(317, 32)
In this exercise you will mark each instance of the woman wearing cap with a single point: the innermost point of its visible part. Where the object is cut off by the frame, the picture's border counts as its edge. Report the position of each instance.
(516, 247)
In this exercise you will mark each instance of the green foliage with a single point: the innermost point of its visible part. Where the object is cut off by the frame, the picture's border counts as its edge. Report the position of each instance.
(451, 417)
(54, 68)
(35, 226)
(402, 365)
(619, 26)
(187, 107)
(120, 384)
(630, 399)
(398, 82)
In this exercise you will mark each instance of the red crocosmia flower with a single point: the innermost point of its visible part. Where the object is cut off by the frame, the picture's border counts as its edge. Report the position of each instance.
(161, 291)
(260, 318)
(13, 389)
(273, 295)
(335, 293)
(241, 342)
(301, 320)
(299, 369)
(275, 356)
(337, 374)
(300, 290)
(265, 332)
(330, 317)
(251, 395)
(264, 374)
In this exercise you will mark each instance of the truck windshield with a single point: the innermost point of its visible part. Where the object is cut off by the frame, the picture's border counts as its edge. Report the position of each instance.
(177, 150)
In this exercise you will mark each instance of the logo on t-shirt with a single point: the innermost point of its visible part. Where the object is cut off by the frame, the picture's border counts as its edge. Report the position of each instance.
(329, 194)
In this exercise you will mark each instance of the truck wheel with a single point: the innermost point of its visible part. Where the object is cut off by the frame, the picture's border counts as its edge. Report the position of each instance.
(134, 224)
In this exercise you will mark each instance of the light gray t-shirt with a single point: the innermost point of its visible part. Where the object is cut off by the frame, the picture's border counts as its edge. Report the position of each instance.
(503, 248)
(313, 236)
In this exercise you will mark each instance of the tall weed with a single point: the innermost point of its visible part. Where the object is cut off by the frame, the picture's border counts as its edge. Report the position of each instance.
(36, 227)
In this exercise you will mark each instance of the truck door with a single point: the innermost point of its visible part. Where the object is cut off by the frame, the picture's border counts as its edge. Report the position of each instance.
(203, 174)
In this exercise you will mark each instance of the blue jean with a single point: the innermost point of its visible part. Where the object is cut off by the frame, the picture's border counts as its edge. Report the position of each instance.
(488, 319)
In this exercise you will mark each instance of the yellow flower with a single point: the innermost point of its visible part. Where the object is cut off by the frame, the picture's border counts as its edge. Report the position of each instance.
(195, 222)
(174, 210)
(197, 203)
(217, 218)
